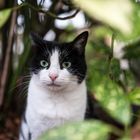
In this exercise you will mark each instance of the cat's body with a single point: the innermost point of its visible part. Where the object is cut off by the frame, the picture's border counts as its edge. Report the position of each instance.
(52, 109)
(57, 90)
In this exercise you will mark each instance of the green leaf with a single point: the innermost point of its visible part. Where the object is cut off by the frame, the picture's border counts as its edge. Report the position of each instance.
(134, 96)
(135, 20)
(4, 15)
(112, 98)
(91, 130)
(115, 13)
(109, 94)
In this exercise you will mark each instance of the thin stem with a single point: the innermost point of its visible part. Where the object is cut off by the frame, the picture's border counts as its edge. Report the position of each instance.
(7, 58)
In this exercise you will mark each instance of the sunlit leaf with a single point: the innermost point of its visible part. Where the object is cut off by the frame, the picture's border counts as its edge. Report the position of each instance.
(135, 19)
(4, 15)
(113, 99)
(92, 130)
(134, 96)
(115, 13)
(108, 93)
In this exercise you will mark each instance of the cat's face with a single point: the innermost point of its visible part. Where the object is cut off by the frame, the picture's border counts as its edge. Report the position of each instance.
(57, 66)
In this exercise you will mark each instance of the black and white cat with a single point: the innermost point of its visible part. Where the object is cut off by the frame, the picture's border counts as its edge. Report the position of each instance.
(57, 91)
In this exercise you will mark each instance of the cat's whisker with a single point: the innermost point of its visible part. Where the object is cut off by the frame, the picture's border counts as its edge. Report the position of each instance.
(26, 76)
(23, 92)
(22, 84)
(68, 80)
(19, 85)
(22, 78)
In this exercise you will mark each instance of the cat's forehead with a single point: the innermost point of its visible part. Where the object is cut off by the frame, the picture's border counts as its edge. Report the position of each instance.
(56, 46)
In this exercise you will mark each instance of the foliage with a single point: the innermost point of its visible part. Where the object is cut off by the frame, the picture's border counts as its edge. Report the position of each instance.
(92, 130)
(114, 13)
(4, 15)
(134, 96)
(115, 88)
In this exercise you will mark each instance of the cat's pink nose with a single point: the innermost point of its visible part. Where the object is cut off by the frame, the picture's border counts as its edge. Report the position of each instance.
(53, 76)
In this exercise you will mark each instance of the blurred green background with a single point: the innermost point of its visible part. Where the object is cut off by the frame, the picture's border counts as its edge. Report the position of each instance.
(113, 59)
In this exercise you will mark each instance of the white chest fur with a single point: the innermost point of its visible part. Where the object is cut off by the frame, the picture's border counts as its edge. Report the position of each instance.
(47, 109)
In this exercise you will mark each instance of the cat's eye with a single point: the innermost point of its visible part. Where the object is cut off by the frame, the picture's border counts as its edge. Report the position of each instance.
(44, 63)
(66, 64)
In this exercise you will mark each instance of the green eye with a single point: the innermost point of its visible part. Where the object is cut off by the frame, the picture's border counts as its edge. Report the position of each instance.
(44, 63)
(66, 64)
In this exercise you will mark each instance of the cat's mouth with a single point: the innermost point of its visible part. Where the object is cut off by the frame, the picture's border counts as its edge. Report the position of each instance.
(53, 85)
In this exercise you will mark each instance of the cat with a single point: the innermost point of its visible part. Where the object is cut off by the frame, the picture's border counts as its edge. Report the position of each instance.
(57, 92)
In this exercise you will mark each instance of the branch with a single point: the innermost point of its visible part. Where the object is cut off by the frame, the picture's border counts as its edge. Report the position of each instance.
(37, 9)
(7, 59)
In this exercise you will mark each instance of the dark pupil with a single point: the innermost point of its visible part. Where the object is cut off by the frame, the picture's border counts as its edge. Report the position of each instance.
(66, 64)
(44, 63)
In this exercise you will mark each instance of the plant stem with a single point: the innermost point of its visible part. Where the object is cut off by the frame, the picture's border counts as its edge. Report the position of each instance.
(7, 58)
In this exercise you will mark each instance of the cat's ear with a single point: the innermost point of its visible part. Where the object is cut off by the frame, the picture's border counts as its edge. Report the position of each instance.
(36, 39)
(80, 41)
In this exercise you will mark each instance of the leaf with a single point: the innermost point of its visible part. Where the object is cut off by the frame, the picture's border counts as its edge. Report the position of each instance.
(91, 130)
(4, 15)
(135, 20)
(112, 98)
(110, 95)
(115, 13)
(134, 96)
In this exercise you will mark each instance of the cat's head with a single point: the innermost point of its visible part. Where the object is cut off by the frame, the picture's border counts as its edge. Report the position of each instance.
(57, 66)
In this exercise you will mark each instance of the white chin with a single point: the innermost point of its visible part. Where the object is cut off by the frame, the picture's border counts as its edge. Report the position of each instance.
(55, 88)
